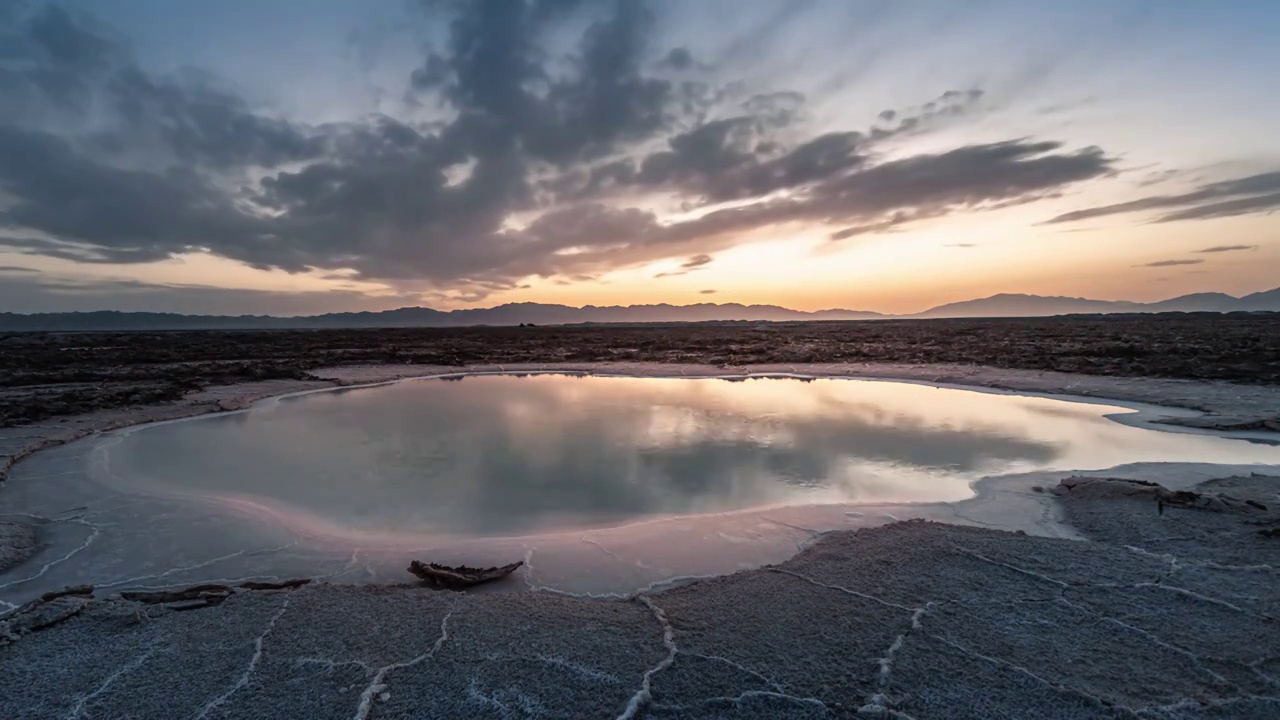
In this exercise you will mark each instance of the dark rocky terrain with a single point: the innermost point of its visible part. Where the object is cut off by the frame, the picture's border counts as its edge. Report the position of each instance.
(45, 375)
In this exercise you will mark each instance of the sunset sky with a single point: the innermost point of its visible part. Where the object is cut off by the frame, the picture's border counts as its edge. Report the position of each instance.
(291, 157)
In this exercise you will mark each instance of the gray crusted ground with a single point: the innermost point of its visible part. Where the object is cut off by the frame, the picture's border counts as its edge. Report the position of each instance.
(1162, 615)
(17, 543)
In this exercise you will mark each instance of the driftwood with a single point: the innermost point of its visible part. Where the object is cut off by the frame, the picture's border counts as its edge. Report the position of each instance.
(456, 578)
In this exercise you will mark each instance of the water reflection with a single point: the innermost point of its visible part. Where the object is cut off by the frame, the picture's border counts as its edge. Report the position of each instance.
(507, 455)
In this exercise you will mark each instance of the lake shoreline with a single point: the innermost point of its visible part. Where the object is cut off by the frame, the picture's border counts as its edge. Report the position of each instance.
(932, 603)
(1183, 405)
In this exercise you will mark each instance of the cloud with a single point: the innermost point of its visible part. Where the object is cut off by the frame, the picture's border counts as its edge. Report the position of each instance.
(688, 266)
(971, 177)
(950, 104)
(741, 157)
(66, 70)
(496, 60)
(678, 59)
(1226, 248)
(707, 292)
(11, 269)
(898, 218)
(1228, 198)
(43, 292)
(961, 245)
(1170, 263)
(1156, 177)
(1227, 208)
(551, 134)
(118, 215)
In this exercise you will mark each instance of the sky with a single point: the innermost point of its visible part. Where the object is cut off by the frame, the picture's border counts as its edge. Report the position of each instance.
(289, 157)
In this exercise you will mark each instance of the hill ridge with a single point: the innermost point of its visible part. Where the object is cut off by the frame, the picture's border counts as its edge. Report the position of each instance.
(997, 305)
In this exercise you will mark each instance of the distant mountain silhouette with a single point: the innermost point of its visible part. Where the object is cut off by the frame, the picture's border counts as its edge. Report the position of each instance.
(1011, 305)
(1266, 300)
(1003, 305)
(509, 314)
(1008, 305)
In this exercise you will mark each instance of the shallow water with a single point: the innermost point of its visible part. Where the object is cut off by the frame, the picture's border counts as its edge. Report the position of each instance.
(615, 482)
(508, 455)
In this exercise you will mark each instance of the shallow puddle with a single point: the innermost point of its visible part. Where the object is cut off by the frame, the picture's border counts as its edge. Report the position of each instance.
(603, 484)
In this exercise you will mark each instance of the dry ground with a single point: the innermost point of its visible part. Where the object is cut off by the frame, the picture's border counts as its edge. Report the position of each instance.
(45, 375)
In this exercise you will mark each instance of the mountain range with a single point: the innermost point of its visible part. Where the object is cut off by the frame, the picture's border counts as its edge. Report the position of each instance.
(1003, 305)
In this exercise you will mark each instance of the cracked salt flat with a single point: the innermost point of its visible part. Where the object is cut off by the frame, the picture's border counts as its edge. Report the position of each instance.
(643, 698)
(1162, 586)
(645, 693)
(78, 710)
(626, 484)
(248, 671)
(912, 621)
(377, 686)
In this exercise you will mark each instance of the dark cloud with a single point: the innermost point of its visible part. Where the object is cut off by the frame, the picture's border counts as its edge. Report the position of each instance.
(120, 215)
(1170, 263)
(16, 269)
(961, 245)
(1228, 198)
(678, 59)
(898, 218)
(707, 292)
(535, 172)
(950, 104)
(200, 123)
(688, 266)
(710, 150)
(970, 177)
(39, 292)
(64, 69)
(497, 77)
(921, 186)
(1227, 208)
(740, 157)
(819, 159)
(1227, 248)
